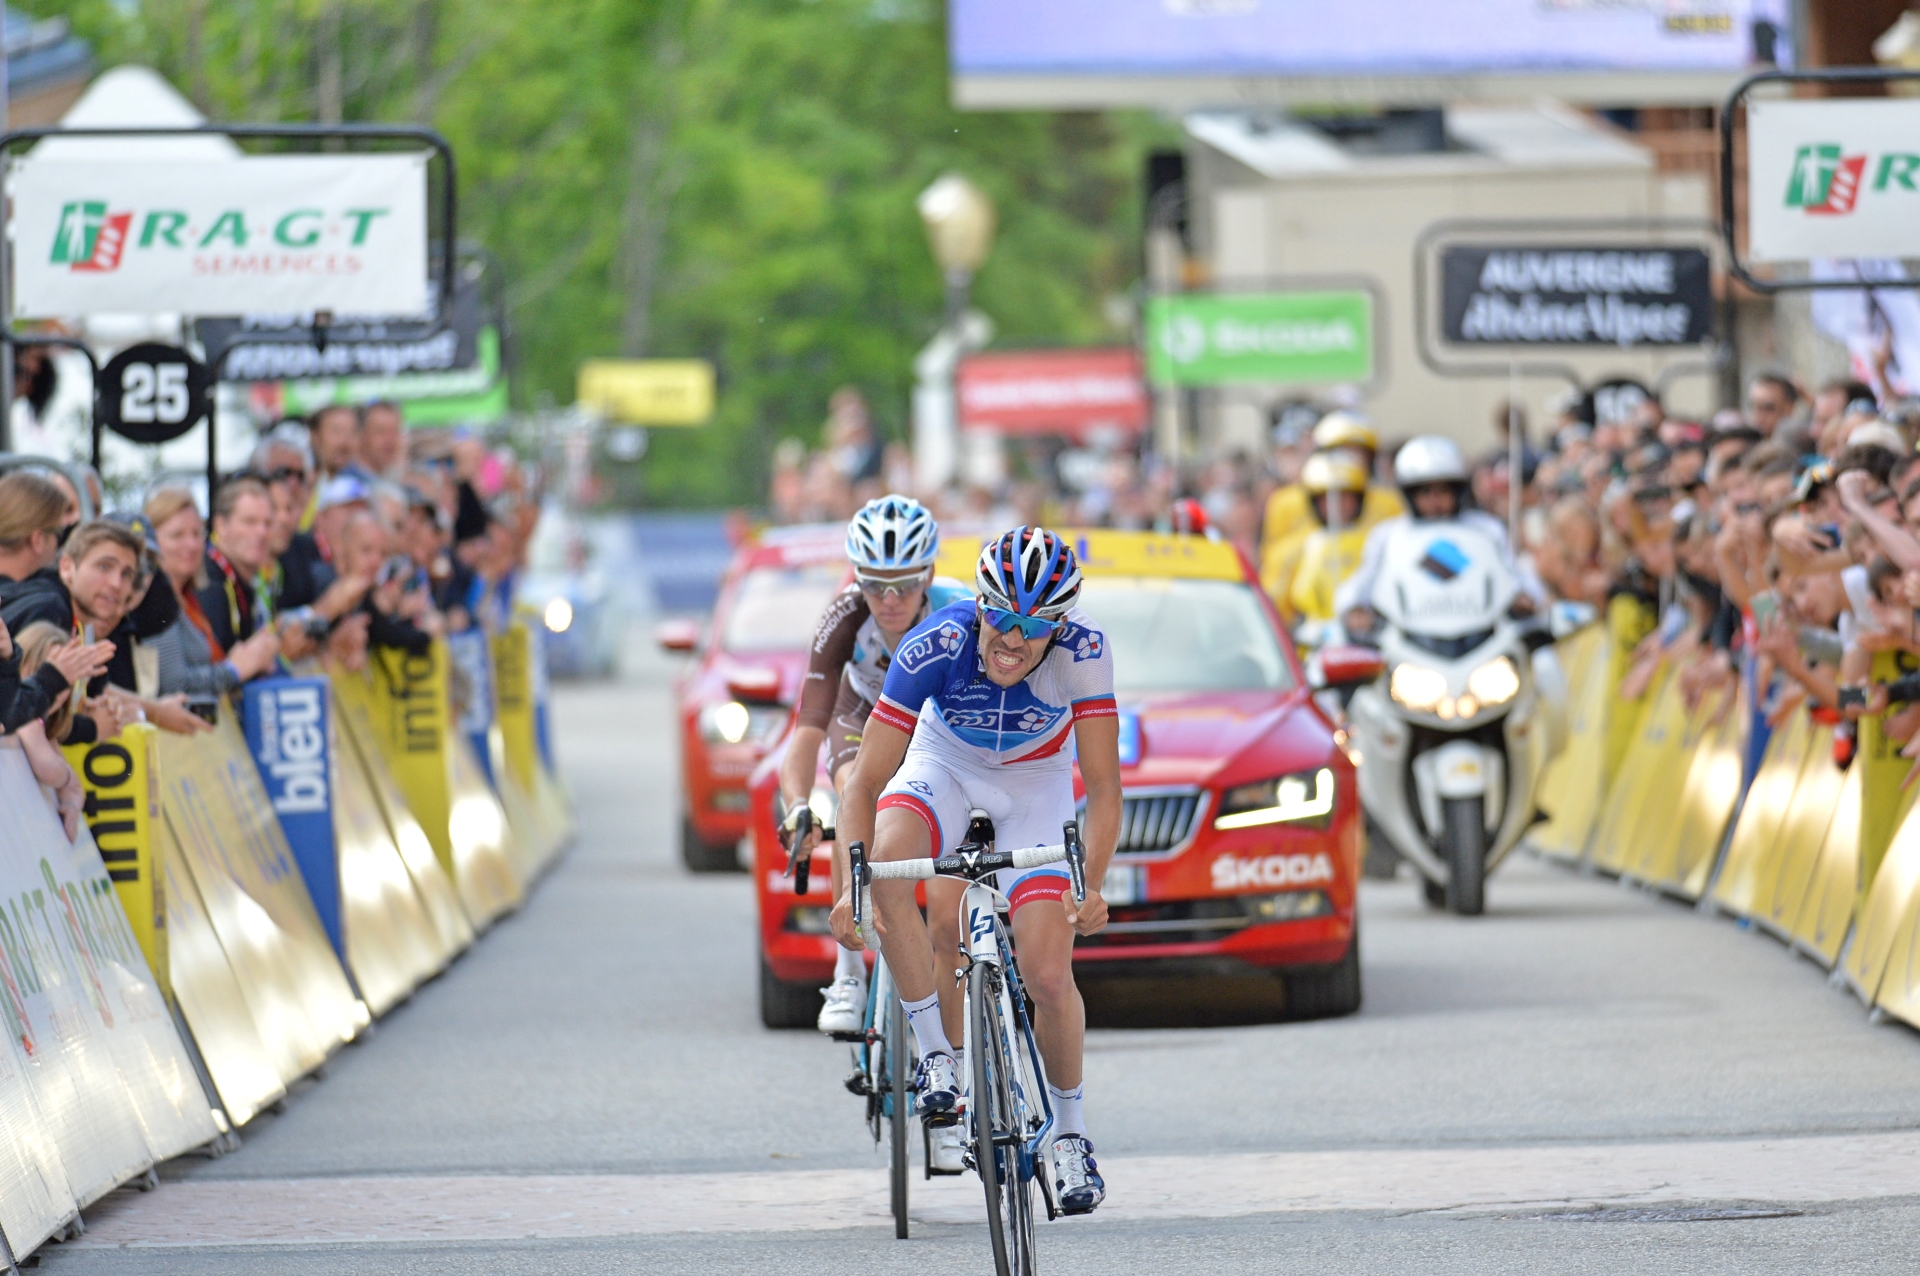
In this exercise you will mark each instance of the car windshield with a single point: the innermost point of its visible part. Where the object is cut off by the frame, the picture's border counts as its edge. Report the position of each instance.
(1185, 635)
(776, 608)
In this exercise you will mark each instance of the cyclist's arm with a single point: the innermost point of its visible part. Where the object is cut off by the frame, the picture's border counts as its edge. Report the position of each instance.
(1098, 742)
(802, 763)
(833, 640)
(882, 748)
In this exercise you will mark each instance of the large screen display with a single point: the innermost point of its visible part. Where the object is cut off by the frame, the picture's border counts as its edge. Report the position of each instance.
(1704, 40)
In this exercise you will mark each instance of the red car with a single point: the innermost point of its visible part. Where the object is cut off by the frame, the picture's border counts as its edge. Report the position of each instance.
(736, 696)
(1241, 834)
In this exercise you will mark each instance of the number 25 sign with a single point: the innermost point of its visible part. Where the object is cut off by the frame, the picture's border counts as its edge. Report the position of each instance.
(152, 393)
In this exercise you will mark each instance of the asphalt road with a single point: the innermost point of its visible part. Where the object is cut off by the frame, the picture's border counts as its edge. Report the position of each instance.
(1585, 1080)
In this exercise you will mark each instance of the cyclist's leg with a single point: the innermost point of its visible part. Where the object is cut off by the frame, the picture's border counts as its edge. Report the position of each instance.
(1044, 941)
(847, 964)
(922, 810)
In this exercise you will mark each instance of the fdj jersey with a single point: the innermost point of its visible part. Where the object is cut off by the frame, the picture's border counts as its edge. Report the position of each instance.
(1002, 750)
(939, 682)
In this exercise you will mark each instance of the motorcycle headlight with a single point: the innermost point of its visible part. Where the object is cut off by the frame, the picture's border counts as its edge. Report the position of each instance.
(732, 722)
(1495, 682)
(558, 615)
(1287, 799)
(1418, 687)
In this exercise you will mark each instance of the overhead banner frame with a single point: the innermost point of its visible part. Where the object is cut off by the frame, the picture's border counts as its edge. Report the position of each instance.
(1735, 102)
(443, 261)
(1703, 358)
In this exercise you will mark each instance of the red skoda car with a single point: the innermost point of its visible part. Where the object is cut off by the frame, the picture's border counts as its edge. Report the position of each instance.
(736, 695)
(1241, 833)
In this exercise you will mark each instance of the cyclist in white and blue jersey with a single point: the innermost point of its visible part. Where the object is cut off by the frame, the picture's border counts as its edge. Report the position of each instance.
(978, 710)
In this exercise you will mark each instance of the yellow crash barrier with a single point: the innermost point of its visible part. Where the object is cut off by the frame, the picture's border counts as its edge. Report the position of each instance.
(1749, 856)
(1573, 785)
(1781, 879)
(1645, 790)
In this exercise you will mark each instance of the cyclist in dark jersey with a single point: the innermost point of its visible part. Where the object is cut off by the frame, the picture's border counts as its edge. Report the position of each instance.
(892, 543)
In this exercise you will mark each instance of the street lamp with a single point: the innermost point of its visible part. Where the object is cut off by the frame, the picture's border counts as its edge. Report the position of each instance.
(959, 219)
(960, 222)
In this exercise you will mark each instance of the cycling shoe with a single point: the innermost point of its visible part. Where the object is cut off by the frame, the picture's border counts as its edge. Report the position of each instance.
(937, 1082)
(1077, 1185)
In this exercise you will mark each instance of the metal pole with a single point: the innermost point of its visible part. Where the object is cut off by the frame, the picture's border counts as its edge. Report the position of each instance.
(6, 356)
(1516, 457)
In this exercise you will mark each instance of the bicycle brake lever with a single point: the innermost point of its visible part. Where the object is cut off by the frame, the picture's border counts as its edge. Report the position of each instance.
(799, 858)
(1076, 860)
(857, 862)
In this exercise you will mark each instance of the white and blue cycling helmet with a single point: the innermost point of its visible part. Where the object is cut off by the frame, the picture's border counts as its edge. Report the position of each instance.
(1029, 571)
(892, 534)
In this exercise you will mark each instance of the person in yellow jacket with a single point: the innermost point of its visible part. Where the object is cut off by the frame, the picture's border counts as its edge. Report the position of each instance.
(1309, 565)
(1289, 510)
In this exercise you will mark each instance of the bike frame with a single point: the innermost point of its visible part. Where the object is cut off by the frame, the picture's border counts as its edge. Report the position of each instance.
(990, 943)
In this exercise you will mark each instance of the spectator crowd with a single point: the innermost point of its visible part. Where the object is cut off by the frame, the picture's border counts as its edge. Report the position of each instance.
(345, 534)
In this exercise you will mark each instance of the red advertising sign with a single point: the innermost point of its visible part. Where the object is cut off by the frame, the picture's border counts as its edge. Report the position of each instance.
(1053, 391)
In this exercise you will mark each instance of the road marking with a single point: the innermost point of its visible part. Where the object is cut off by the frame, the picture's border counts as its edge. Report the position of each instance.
(411, 1208)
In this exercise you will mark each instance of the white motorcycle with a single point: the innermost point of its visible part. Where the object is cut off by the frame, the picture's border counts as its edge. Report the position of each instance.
(1449, 759)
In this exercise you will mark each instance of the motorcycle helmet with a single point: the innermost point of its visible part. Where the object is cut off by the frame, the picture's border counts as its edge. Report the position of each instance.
(1430, 459)
(892, 533)
(1344, 429)
(1029, 571)
(1328, 472)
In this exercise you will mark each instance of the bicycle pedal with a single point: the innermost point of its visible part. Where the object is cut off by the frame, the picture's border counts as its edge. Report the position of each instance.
(857, 1084)
(940, 1120)
(851, 1038)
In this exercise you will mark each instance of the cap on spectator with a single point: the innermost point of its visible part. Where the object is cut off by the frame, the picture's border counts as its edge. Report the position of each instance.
(137, 523)
(1815, 476)
(1878, 434)
(344, 489)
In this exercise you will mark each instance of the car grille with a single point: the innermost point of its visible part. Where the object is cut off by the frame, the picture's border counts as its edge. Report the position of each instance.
(1199, 921)
(1157, 822)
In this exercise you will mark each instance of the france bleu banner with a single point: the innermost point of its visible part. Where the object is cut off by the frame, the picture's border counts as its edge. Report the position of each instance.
(289, 729)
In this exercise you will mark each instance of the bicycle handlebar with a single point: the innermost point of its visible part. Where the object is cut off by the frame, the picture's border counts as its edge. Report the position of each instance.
(972, 862)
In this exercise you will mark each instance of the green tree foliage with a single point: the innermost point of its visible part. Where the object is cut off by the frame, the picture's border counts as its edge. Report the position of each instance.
(732, 179)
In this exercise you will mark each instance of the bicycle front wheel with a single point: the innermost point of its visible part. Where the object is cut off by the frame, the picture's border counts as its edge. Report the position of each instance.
(900, 1095)
(998, 1129)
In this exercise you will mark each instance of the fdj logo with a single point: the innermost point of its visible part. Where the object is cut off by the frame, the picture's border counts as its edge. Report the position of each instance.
(89, 238)
(1825, 183)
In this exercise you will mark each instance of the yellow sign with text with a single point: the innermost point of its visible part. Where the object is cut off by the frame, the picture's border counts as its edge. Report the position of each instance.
(648, 391)
(123, 800)
(1105, 552)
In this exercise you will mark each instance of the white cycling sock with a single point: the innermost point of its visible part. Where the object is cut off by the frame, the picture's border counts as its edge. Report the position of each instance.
(848, 964)
(929, 1034)
(1067, 1116)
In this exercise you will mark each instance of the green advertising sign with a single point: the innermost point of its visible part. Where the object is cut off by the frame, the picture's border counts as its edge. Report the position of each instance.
(467, 396)
(1275, 338)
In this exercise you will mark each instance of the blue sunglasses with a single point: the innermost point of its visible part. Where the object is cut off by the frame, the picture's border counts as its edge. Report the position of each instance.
(1008, 621)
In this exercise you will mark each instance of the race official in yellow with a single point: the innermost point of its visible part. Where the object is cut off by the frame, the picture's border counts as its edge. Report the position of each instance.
(1289, 510)
(1303, 571)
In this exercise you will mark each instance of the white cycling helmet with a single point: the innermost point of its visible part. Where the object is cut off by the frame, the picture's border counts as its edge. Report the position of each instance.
(1431, 458)
(891, 534)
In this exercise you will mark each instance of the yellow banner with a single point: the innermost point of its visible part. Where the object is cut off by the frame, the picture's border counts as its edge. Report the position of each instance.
(648, 391)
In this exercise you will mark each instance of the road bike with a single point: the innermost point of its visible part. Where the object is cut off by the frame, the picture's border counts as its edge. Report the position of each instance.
(1009, 1115)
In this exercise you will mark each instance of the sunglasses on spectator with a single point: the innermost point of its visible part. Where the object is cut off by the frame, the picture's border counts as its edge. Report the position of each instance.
(1032, 627)
(283, 473)
(890, 586)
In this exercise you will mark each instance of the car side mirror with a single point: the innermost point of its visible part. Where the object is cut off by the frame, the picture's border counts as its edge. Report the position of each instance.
(677, 635)
(757, 684)
(1343, 667)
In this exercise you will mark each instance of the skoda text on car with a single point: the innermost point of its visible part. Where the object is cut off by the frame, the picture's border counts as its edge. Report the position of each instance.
(1241, 834)
(736, 695)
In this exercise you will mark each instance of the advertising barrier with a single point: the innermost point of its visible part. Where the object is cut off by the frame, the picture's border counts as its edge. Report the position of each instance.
(236, 905)
(1792, 854)
(95, 1084)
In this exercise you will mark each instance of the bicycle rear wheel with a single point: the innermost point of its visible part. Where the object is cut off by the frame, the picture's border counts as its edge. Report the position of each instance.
(998, 1130)
(900, 1099)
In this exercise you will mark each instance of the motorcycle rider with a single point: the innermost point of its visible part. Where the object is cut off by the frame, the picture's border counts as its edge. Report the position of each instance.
(1310, 565)
(1433, 477)
(1346, 436)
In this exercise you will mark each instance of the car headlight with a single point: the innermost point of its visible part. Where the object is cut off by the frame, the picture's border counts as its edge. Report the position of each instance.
(733, 722)
(1288, 799)
(1495, 682)
(558, 615)
(1418, 687)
